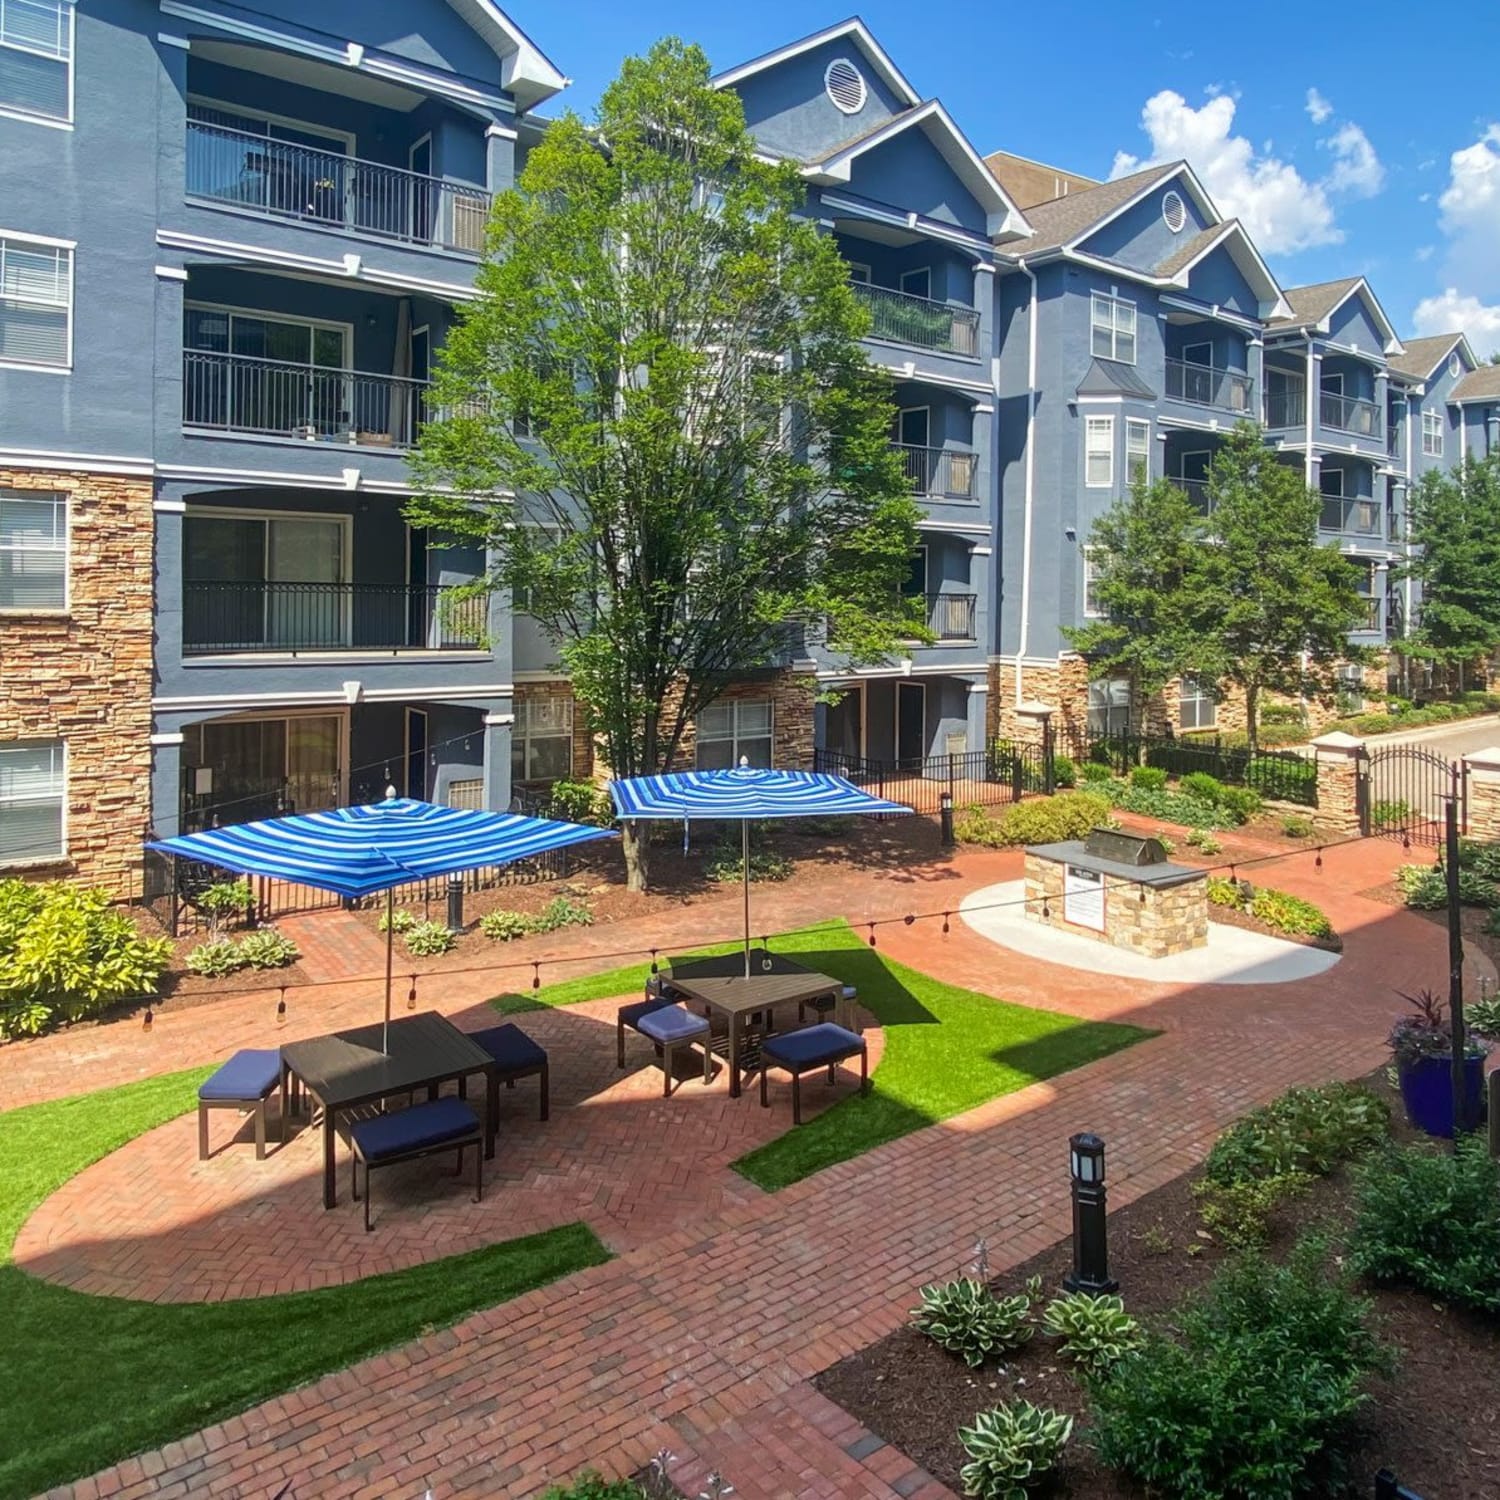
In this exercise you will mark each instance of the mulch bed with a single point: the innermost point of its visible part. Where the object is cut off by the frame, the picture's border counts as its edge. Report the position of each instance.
(1435, 1422)
(1232, 917)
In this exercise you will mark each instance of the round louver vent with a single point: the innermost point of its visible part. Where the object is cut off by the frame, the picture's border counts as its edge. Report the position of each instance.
(1174, 211)
(845, 85)
(1455, 366)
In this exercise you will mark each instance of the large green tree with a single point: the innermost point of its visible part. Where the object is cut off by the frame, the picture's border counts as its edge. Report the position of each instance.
(1454, 523)
(1240, 593)
(657, 418)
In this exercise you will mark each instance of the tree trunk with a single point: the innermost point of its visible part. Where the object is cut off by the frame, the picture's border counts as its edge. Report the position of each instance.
(635, 836)
(1252, 710)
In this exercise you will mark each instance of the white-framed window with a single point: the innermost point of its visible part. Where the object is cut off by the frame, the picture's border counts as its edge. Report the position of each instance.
(1196, 705)
(859, 272)
(33, 791)
(1109, 707)
(36, 58)
(541, 741)
(36, 301)
(1432, 434)
(1099, 452)
(732, 731)
(917, 282)
(1092, 572)
(33, 550)
(1137, 450)
(1113, 323)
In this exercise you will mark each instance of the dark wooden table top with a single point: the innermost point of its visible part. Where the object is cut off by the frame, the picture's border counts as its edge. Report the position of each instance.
(348, 1067)
(721, 981)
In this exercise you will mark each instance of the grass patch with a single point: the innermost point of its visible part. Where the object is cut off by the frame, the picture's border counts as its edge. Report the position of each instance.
(90, 1380)
(947, 1050)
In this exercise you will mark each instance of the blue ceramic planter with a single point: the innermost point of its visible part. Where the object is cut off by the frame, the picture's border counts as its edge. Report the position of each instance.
(1427, 1092)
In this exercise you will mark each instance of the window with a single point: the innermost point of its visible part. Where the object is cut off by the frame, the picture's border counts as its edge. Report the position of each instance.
(917, 283)
(1113, 323)
(33, 784)
(33, 550)
(1351, 688)
(1432, 434)
(730, 732)
(1099, 452)
(541, 744)
(1196, 705)
(1092, 573)
(859, 273)
(1137, 450)
(36, 301)
(36, 58)
(1109, 707)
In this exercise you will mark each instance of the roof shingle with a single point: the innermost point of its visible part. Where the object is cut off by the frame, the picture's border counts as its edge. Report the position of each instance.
(1423, 356)
(1482, 384)
(1311, 304)
(1062, 220)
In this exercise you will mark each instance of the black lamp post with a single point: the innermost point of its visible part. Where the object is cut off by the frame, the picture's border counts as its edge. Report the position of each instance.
(1090, 1236)
(945, 818)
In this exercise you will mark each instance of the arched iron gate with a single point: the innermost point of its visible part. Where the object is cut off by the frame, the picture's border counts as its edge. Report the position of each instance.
(1402, 789)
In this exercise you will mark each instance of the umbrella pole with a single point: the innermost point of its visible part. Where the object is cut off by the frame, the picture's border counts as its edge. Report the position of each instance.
(390, 939)
(745, 871)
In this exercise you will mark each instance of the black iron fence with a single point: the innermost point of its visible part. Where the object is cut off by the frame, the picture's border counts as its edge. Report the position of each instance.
(1280, 775)
(987, 778)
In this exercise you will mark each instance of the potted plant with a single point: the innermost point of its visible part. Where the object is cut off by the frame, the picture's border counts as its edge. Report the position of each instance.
(1422, 1043)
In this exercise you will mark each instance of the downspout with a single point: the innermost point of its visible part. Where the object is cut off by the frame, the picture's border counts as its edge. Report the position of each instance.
(1023, 638)
(1408, 459)
(1314, 394)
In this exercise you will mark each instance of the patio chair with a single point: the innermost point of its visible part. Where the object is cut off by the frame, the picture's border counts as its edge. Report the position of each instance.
(446, 1124)
(659, 995)
(836, 1003)
(799, 1052)
(670, 1027)
(246, 1083)
(516, 1056)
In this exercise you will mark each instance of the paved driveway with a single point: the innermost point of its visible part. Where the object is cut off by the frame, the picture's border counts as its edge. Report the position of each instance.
(1452, 740)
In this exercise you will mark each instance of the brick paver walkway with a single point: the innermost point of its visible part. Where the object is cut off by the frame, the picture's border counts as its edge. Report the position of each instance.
(702, 1335)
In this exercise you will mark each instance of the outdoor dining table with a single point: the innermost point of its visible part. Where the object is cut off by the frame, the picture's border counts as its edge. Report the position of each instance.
(347, 1069)
(722, 986)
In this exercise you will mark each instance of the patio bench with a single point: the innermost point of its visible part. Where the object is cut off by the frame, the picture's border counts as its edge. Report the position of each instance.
(445, 1124)
(670, 1027)
(516, 1056)
(246, 1083)
(799, 1052)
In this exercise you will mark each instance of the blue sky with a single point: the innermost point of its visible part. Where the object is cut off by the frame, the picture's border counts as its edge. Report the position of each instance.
(1352, 140)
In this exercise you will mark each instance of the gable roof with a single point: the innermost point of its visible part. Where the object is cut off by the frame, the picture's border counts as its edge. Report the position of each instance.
(1235, 239)
(1312, 307)
(1423, 356)
(855, 30)
(1108, 377)
(1482, 384)
(1004, 219)
(1061, 221)
(1031, 182)
(527, 73)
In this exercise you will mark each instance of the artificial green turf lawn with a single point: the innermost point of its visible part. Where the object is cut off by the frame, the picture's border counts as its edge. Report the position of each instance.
(946, 1049)
(86, 1381)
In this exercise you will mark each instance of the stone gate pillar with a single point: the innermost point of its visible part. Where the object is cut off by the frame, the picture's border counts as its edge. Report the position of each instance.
(1338, 760)
(1483, 768)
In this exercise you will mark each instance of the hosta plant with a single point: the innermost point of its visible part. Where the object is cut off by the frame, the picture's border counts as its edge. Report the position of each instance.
(964, 1317)
(397, 921)
(215, 958)
(506, 926)
(1095, 1330)
(1011, 1449)
(426, 939)
(267, 949)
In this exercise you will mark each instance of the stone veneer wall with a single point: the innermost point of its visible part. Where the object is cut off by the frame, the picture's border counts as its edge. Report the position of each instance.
(84, 675)
(1170, 920)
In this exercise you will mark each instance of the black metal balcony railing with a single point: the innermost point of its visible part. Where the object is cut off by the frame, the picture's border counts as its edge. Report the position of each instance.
(948, 473)
(220, 617)
(1285, 409)
(1393, 439)
(1356, 514)
(1371, 620)
(1349, 414)
(950, 617)
(326, 187)
(239, 394)
(919, 321)
(1196, 490)
(1208, 385)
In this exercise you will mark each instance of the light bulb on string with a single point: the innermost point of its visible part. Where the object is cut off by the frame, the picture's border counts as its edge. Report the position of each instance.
(411, 994)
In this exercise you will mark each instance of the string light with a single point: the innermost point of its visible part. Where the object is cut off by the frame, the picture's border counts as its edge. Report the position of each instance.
(655, 967)
(147, 1019)
(765, 953)
(909, 918)
(281, 1008)
(1318, 862)
(411, 994)
(872, 934)
(536, 975)
(945, 924)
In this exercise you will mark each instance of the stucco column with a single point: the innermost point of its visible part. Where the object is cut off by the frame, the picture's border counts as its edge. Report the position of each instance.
(978, 716)
(500, 157)
(166, 783)
(1483, 767)
(1255, 368)
(497, 729)
(1338, 760)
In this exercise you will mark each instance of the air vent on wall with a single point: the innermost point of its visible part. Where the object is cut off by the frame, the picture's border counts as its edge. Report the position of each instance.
(1174, 211)
(845, 86)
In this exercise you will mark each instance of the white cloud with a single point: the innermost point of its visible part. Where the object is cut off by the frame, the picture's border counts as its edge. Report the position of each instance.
(1453, 312)
(1280, 208)
(1426, 252)
(1356, 168)
(1318, 107)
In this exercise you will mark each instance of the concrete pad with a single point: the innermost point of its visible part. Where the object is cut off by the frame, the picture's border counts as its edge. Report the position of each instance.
(1232, 956)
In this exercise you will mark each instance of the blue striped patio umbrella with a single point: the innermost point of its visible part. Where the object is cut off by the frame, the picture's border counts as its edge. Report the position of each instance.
(744, 795)
(357, 851)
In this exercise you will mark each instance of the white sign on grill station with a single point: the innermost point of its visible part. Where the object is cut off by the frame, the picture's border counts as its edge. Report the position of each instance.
(1083, 897)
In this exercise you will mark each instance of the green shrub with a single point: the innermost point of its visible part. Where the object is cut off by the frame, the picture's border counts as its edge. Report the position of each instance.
(267, 949)
(1431, 1219)
(1241, 803)
(1295, 827)
(397, 920)
(1064, 773)
(1482, 859)
(1168, 846)
(226, 898)
(1238, 1213)
(1306, 1130)
(1047, 820)
(1093, 770)
(1012, 1448)
(1483, 1016)
(1203, 841)
(580, 802)
(1201, 785)
(1294, 778)
(1291, 914)
(1148, 779)
(561, 911)
(1282, 713)
(1173, 806)
(66, 954)
(1253, 1398)
(215, 958)
(593, 1486)
(1425, 887)
(1390, 814)
(427, 939)
(725, 863)
(1222, 891)
(1095, 1330)
(964, 1317)
(505, 926)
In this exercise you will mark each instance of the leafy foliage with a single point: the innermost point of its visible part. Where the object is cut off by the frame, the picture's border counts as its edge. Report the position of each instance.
(964, 1317)
(398, 920)
(1287, 913)
(594, 1486)
(1306, 1130)
(66, 954)
(216, 958)
(580, 802)
(506, 926)
(725, 863)
(427, 939)
(226, 898)
(1064, 773)
(1295, 827)
(1426, 1031)
(1239, 1213)
(1149, 779)
(267, 949)
(1431, 1219)
(1095, 1329)
(1048, 820)
(1243, 802)
(1203, 841)
(1011, 1449)
(1201, 785)
(564, 911)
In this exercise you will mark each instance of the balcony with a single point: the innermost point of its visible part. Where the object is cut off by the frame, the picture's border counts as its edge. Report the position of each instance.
(943, 473)
(1208, 385)
(1347, 414)
(222, 618)
(919, 322)
(1196, 490)
(950, 617)
(273, 398)
(1357, 515)
(1371, 620)
(256, 172)
(1285, 409)
(1393, 439)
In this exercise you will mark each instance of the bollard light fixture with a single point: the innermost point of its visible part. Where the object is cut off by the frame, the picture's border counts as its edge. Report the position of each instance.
(1090, 1271)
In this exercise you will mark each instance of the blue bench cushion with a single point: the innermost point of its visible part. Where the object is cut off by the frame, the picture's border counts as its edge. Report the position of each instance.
(672, 1023)
(812, 1046)
(631, 1014)
(429, 1124)
(250, 1074)
(512, 1049)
